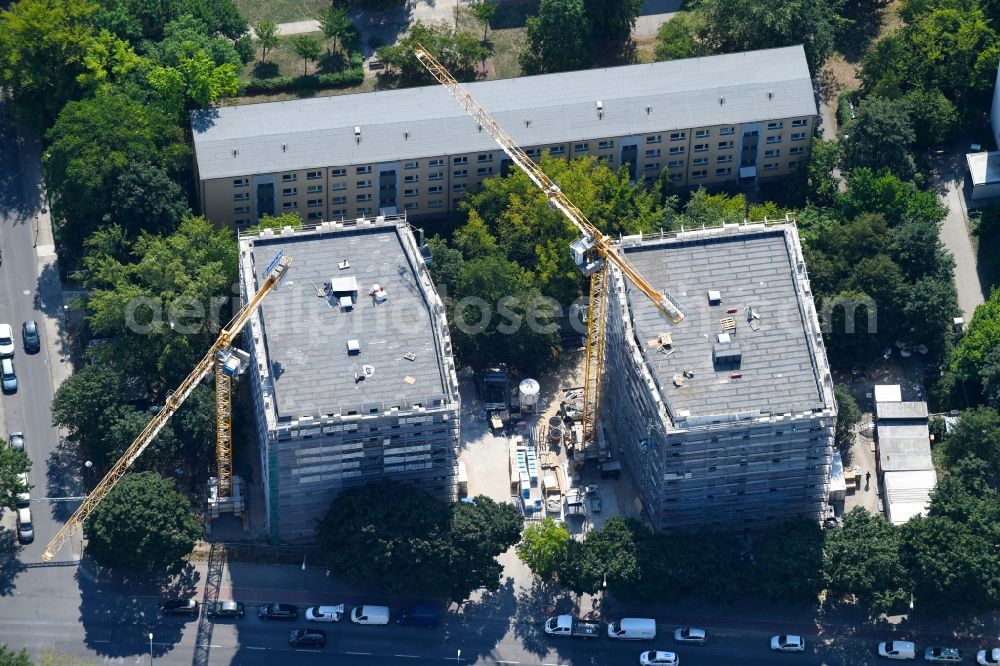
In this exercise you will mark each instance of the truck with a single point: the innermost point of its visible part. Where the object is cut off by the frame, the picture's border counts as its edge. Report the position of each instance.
(567, 625)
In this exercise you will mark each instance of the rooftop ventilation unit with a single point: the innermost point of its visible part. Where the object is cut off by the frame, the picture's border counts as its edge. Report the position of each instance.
(353, 347)
(714, 297)
(600, 109)
(357, 134)
(726, 354)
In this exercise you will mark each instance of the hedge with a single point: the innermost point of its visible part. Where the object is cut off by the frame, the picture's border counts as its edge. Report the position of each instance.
(844, 107)
(349, 77)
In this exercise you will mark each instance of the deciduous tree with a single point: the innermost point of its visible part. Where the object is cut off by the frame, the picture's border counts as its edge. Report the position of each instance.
(484, 11)
(267, 36)
(13, 463)
(861, 561)
(308, 48)
(679, 37)
(335, 24)
(459, 52)
(977, 433)
(848, 416)
(544, 547)
(880, 137)
(557, 38)
(611, 22)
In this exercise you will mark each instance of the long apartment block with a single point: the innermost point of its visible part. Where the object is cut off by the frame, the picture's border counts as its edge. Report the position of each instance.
(726, 418)
(352, 373)
(740, 117)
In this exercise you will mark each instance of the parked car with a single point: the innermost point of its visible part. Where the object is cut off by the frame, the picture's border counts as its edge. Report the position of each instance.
(420, 615)
(307, 638)
(25, 529)
(787, 643)
(943, 655)
(6, 341)
(325, 613)
(29, 337)
(226, 609)
(179, 607)
(23, 499)
(897, 650)
(8, 376)
(988, 657)
(690, 635)
(16, 441)
(659, 658)
(277, 612)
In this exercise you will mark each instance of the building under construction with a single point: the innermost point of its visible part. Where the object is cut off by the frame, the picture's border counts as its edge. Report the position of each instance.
(726, 418)
(352, 374)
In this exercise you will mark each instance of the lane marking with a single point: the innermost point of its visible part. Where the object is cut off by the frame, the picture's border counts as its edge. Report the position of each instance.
(304, 650)
(407, 656)
(507, 662)
(251, 647)
(362, 654)
(97, 641)
(207, 645)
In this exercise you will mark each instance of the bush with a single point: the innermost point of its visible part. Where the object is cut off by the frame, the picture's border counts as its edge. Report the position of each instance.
(345, 79)
(844, 101)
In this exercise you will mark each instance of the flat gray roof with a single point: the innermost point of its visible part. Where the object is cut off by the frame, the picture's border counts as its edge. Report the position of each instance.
(984, 168)
(750, 269)
(426, 121)
(903, 447)
(896, 411)
(307, 334)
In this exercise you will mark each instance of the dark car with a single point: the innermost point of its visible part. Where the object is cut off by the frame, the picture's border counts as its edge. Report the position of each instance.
(226, 609)
(179, 607)
(277, 612)
(307, 638)
(29, 334)
(16, 441)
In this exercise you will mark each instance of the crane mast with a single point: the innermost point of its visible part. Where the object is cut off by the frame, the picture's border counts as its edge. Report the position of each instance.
(593, 252)
(172, 404)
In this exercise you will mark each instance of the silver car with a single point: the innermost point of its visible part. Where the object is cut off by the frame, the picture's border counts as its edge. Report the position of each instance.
(7, 376)
(690, 635)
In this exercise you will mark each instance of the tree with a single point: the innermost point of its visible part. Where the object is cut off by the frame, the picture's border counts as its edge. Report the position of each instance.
(888, 195)
(308, 48)
(196, 83)
(108, 60)
(146, 198)
(848, 416)
(611, 22)
(10, 658)
(934, 116)
(824, 157)
(459, 52)
(789, 561)
(483, 11)
(610, 554)
(981, 337)
(544, 547)
(335, 24)
(446, 265)
(880, 137)
(861, 561)
(142, 525)
(977, 433)
(43, 45)
(13, 463)
(187, 35)
(557, 38)
(705, 208)
(80, 404)
(679, 37)
(930, 307)
(479, 533)
(267, 36)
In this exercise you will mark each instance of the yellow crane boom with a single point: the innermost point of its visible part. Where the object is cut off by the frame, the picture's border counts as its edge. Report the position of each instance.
(593, 242)
(172, 404)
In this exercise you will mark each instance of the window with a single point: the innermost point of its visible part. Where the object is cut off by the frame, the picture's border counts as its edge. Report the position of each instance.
(437, 175)
(702, 134)
(460, 173)
(410, 205)
(800, 122)
(361, 170)
(581, 147)
(436, 162)
(557, 150)
(676, 150)
(241, 182)
(338, 200)
(289, 177)
(677, 177)
(315, 216)
(700, 173)
(678, 136)
(241, 196)
(532, 152)
(363, 211)
(460, 160)
(412, 192)
(653, 153)
(484, 171)
(675, 164)
(794, 164)
(773, 138)
(798, 136)
(770, 166)
(606, 144)
(724, 171)
(436, 203)
(314, 189)
(725, 145)
(289, 191)
(314, 203)
(337, 186)
(338, 212)
(362, 184)
(796, 150)
(411, 165)
(242, 222)
(652, 166)
(484, 157)
(772, 152)
(290, 205)
(337, 173)
(365, 196)
(724, 159)
(314, 175)
(458, 187)
(411, 179)
(241, 209)
(775, 125)
(435, 189)
(726, 131)
(701, 147)
(654, 138)
(699, 161)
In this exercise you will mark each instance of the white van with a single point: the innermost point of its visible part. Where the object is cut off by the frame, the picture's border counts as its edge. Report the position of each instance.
(370, 615)
(897, 650)
(633, 629)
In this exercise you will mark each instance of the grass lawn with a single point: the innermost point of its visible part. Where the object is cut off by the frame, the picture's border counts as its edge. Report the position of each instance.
(281, 11)
(508, 42)
(282, 61)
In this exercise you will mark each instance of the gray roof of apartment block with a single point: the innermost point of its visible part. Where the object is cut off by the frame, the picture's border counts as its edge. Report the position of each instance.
(749, 269)
(307, 334)
(419, 122)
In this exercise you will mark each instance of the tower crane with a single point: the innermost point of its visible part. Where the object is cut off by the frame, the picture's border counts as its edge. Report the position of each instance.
(220, 356)
(593, 252)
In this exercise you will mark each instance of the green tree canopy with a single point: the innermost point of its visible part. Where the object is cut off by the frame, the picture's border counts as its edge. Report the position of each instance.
(186, 35)
(880, 137)
(13, 463)
(308, 48)
(788, 561)
(484, 11)
(459, 52)
(848, 416)
(611, 23)
(557, 38)
(679, 37)
(544, 547)
(8, 657)
(267, 36)
(143, 525)
(335, 24)
(977, 433)
(861, 561)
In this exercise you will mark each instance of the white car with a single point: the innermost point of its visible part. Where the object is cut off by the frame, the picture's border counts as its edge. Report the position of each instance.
(989, 657)
(897, 650)
(325, 613)
(659, 658)
(690, 635)
(788, 643)
(6, 340)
